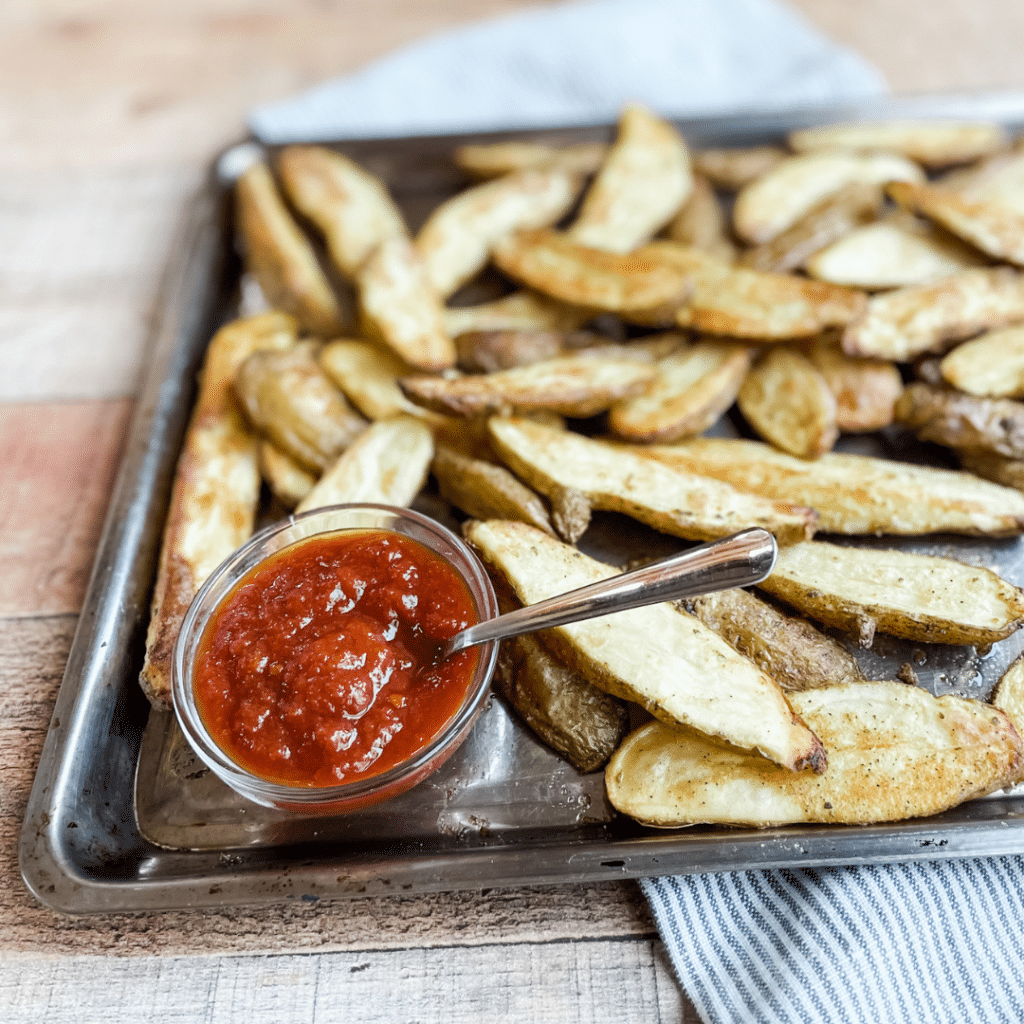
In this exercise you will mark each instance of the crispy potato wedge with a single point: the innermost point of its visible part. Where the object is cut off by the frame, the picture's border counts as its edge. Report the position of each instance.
(989, 226)
(644, 180)
(455, 242)
(555, 264)
(658, 657)
(571, 385)
(991, 366)
(998, 468)
(290, 400)
(894, 752)
(692, 389)
(741, 303)
(1008, 697)
(779, 198)
(854, 494)
(833, 218)
(893, 253)
(999, 180)
(288, 481)
(932, 143)
(492, 160)
(865, 390)
(916, 597)
(571, 715)
(616, 480)
(520, 311)
(701, 223)
(963, 421)
(489, 351)
(281, 259)
(789, 404)
(216, 489)
(924, 318)
(399, 307)
(349, 205)
(795, 654)
(731, 169)
(387, 464)
(487, 491)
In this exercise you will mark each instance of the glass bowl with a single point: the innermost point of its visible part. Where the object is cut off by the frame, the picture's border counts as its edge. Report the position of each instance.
(362, 791)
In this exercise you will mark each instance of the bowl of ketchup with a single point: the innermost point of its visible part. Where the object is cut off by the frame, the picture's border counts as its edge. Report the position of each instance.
(306, 673)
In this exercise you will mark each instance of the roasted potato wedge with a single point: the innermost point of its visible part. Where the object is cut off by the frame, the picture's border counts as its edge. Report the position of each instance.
(644, 180)
(789, 404)
(388, 464)
(400, 308)
(281, 258)
(741, 303)
(916, 597)
(290, 400)
(932, 143)
(731, 169)
(656, 656)
(854, 494)
(865, 390)
(795, 654)
(893, 253)
(691, 390)
(909, 322)
(455, 242)
(490, 351)
(963, 421)
(216, 489)
(520, 311)
(288, 481)
(616, 480)
(833, 218)
(492, 160)
(555, 264)
(349, 205)
(991, 366)
(570, 714)
(701, 223)
(989, 226)
(487, 491)
(779, 198)
(569, 385)
(1008, 697)
(999, 180)
(893, 752)
(999, 468)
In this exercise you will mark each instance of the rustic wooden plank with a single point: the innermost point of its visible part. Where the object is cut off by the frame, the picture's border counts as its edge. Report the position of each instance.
(603, 982)
(59, 462)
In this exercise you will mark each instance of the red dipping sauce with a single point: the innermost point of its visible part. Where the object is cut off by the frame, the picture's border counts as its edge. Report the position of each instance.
(318, 667)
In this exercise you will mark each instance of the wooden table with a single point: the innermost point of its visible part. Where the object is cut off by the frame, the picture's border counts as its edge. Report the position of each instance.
(109, 110)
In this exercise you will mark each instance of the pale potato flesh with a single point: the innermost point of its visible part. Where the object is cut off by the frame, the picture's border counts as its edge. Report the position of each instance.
(909, 322)
(288, 481)
(990, 366)
(348, 204)
(894, 752)
(368, 376)
(400, 308)
(387, 464)
(916, 597)
(731, 169)
(693, 387)
(491, 160)
(658, 657)
(616, 480)
(779, 198)
(1008, 696)
(455, 242)
(932, 143)
(644, 180)
(855, 494)
(216, 489)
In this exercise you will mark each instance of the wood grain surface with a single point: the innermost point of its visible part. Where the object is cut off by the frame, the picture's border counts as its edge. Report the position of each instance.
(109, 111)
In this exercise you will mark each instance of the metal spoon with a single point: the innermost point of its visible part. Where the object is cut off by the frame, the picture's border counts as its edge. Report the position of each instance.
(735, 561)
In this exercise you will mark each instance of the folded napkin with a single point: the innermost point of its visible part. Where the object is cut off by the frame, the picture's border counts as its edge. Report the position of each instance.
(909, 943)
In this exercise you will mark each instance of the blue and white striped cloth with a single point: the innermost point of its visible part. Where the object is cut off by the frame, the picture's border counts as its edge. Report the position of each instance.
(929, 942)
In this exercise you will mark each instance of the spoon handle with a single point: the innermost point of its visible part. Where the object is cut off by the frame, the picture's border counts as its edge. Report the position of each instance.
(735, 561)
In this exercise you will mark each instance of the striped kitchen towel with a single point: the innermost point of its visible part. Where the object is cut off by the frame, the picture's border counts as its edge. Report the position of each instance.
(929, 942)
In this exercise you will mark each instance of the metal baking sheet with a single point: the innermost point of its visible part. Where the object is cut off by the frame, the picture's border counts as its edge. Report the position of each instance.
(505, 811)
